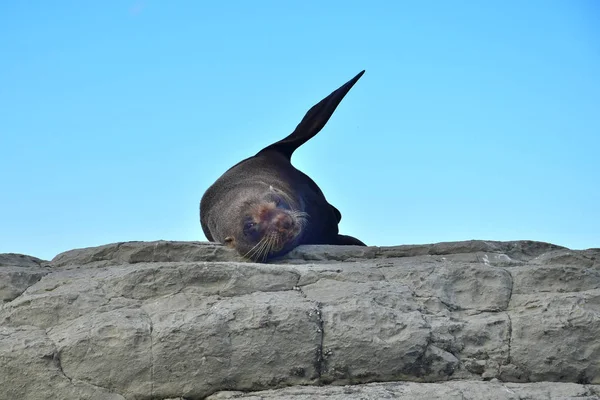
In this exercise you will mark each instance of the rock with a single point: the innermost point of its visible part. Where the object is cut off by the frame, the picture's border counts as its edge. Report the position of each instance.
(135, 252)
(150, 320)
(242, 342)
(459, 390)
(17, 273)
(555, 337)
(20, 260)
(31, 369)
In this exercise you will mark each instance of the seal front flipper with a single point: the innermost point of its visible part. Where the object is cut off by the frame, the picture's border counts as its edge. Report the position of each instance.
(346, 240)
(314, 120)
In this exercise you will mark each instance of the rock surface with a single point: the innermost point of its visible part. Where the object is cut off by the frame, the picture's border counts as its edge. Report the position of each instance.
(17, 273)
(453, 390)
(160, 320)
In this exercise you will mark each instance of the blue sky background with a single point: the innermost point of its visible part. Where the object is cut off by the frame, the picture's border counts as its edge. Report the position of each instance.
(474, 120)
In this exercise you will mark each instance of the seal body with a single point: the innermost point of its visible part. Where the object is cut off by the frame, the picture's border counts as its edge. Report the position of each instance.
(264, 207)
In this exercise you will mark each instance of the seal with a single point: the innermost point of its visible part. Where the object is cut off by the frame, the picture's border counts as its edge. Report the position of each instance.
(264, 207)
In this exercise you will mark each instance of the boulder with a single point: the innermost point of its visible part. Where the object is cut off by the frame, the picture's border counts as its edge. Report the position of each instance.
(191, 320)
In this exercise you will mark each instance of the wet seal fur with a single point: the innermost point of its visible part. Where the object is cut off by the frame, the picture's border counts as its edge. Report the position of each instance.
(264, 207)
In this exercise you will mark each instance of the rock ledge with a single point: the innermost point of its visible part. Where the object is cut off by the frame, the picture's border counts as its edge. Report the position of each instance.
(190, 320)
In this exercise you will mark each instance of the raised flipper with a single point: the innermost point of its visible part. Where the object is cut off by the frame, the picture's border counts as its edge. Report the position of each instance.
(314, 120)
(346, 240)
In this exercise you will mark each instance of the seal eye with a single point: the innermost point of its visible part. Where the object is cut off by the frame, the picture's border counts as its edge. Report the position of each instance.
(248, 226)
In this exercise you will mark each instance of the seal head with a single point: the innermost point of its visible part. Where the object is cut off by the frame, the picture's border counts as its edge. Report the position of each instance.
(271, 224)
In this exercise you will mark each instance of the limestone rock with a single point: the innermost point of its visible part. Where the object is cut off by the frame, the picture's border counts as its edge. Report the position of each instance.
(158, 320)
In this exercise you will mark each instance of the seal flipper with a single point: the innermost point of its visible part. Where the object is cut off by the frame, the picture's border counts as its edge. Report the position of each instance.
(348, 241)
(314, 120)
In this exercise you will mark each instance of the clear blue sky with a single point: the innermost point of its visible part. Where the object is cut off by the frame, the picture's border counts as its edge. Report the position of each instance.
(474, 120)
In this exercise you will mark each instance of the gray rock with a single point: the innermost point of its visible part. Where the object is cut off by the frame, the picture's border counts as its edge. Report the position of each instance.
(30, 368)
(17, 273)
(135, 252)
(20, 260)
(459, 390)
(555, 337)
(158, 320)
(214, 342)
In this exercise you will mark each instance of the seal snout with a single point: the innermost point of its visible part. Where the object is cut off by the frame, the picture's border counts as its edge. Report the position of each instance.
(276, 219)
(283, 222)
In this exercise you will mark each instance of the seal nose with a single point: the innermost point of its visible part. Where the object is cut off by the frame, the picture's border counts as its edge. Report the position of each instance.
(283, 222)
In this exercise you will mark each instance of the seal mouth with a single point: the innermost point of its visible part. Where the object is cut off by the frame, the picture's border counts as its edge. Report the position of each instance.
(281, 229)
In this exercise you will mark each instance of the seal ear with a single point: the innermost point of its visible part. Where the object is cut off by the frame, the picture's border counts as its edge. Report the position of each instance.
(314, 120)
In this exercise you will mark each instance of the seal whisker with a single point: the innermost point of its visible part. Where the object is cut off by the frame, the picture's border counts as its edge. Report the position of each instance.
(267, 248)
(274, 241)
(254, 249)
(250, 251)
(257, 254)
(299, 214)
(301, 218)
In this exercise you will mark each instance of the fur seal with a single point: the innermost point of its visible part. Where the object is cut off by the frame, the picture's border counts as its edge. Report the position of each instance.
(264, 207)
